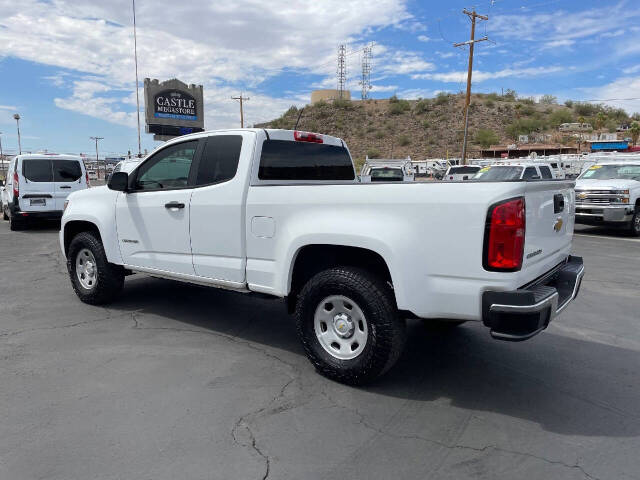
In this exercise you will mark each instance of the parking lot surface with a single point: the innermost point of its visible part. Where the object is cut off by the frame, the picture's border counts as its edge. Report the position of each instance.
(179, 381)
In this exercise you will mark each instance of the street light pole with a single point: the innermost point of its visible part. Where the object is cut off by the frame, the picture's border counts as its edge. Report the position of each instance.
(105, 162)
(17, 118)
(1, 155)
(135, 54)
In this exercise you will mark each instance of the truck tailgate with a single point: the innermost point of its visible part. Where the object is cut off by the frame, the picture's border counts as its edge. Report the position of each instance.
(550, 209)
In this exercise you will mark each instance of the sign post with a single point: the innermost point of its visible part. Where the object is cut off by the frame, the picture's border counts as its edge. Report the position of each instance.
(173, 108)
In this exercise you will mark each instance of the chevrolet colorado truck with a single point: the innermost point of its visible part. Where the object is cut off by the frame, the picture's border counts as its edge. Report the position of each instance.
(281, 213)
(608, 193)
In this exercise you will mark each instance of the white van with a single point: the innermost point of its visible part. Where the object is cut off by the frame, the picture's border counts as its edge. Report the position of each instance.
(38, 185)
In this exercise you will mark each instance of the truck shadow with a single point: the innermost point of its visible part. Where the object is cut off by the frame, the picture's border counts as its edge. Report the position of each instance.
(566, 385)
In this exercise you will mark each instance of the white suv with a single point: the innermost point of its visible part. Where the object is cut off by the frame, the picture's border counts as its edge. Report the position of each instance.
(38, 185)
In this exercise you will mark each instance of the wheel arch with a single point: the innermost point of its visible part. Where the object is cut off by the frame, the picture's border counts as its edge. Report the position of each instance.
(311, 259)
(74, 227)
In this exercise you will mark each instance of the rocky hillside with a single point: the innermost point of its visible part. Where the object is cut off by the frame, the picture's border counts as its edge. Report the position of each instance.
(433, 127)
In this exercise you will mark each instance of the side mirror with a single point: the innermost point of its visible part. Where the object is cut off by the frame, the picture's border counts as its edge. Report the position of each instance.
(119, 181)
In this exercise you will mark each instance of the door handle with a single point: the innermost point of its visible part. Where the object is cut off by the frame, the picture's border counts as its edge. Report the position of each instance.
(174, 205)
(65, 186)
(558, 203)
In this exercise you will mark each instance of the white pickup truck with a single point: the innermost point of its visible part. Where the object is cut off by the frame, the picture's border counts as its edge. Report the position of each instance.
(281, 213)
(608, 193)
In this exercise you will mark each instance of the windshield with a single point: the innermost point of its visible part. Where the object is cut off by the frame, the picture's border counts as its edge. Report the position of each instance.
(463, 170)
(498, 173)
(609, 172)
(386, 174)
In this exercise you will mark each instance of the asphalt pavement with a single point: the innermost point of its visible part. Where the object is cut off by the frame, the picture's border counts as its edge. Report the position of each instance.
(179, 381)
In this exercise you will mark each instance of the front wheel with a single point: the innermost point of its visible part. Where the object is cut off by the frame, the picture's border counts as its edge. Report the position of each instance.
(349, 325)
(94, 279)
(635, 223)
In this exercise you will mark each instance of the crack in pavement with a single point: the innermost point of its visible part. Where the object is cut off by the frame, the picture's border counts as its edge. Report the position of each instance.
(241, 432)
(454, 446)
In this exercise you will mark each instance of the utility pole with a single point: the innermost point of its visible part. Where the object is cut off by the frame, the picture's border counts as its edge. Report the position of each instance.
(16, 116)
(1, 157)
(135, 55)
(342, 70)
(366, 71)
(471, 42)
(105, 162)
(241, 98)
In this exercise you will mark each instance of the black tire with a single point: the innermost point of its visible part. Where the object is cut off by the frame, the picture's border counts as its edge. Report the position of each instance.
(4, 214)
(634, 228)
(15, 224)
(386, 329)
(109, 277)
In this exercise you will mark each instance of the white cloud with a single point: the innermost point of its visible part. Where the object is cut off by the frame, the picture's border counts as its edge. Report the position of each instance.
(222, 45)
(423, 38)
(8, 107)
(480, 76)
(623, 92)
(634, 69)
(564, 42)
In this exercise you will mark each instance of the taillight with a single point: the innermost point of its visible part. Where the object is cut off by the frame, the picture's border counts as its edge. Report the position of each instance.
(86, 175)
(307, 137)
(504, 236)
(16, 186)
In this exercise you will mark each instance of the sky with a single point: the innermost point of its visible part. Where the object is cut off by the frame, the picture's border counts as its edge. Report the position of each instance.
(67, 66)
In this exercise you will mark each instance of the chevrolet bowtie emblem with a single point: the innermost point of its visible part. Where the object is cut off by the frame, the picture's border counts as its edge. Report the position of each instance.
(582, 196)
(558, 225)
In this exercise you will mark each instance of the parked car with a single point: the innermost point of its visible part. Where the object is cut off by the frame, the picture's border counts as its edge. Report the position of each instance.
(388, 170)
(608, 193)
(38, 185)
(455, 173)
(281, 213)
(514, 171)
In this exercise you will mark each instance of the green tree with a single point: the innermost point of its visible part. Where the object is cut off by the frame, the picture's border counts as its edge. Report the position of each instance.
(635, 132)
(486, 137)
(548, 100)
(561, 116)
(601, 119)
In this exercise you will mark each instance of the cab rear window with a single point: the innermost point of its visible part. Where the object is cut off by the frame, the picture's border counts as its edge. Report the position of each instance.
(36, 170)
(286, 160)
(463, 170)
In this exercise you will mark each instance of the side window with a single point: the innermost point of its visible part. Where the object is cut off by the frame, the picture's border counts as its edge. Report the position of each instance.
(545, 172)
(66, 170)
(37, 170)
(219, 160)
(167, 169)
(530, 173)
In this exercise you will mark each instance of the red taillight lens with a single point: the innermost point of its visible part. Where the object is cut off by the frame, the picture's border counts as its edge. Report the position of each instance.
(86, 176)
(16, 186)
(307, 137)
(504, 237)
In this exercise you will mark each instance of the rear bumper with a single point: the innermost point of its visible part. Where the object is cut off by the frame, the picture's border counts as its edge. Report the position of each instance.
(593, 214)
(520, 314)
(15, 211)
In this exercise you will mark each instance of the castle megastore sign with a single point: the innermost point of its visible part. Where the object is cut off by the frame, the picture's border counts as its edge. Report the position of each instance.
(175, 104)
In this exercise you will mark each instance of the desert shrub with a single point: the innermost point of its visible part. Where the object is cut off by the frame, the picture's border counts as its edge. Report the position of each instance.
(493, 97)
(399, 106)
(586, 109)
(373, 153)
(320, 104)
(548, 100)
(489, 103)
(404, 140)
(527, 110)
(442, 98)
(422, 106)
(525, 126)
(343, 104)
(568, 103)
(527, 100)
(379, 134)
(510, 95)
(293, 110)
(486, 137)
(426, 124)
(561, 116)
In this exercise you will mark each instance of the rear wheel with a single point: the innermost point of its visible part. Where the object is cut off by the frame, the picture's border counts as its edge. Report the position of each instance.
(349, 325)
(4, 213)
(94, 279)
(15, 224)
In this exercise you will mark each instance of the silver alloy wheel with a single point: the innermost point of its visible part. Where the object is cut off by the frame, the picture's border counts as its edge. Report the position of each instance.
(86, 269)
(341, 327)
